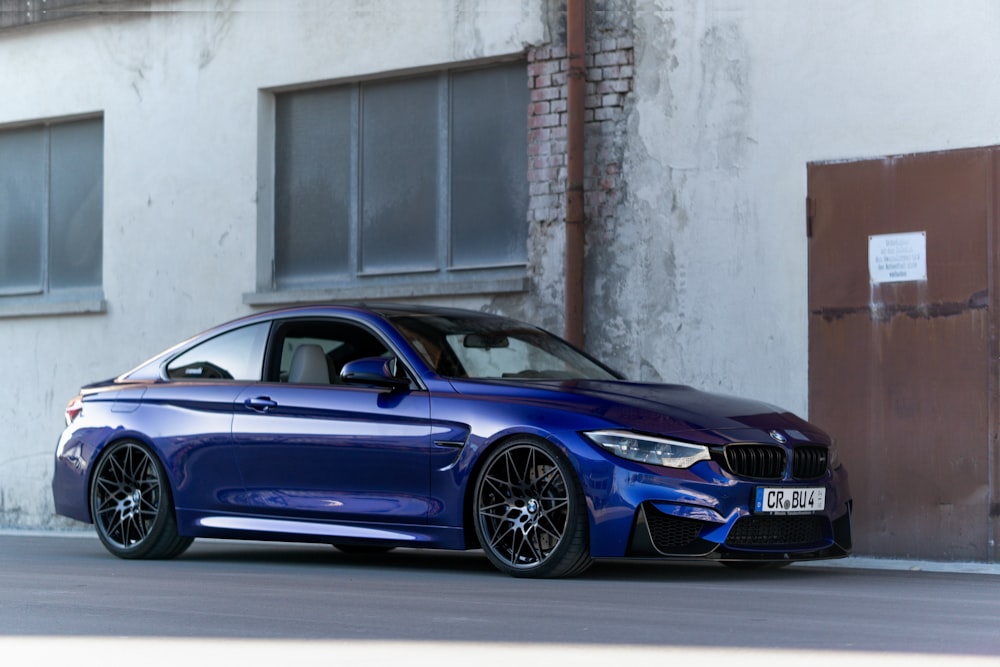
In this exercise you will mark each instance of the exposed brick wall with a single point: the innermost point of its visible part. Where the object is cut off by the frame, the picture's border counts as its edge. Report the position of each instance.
(610, 71)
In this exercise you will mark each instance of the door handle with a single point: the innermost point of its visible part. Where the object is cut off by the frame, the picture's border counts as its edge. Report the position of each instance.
(260, 404)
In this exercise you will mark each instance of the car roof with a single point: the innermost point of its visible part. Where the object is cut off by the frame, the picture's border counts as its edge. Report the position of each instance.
(359, 310)
(396, 309)
(385, 309)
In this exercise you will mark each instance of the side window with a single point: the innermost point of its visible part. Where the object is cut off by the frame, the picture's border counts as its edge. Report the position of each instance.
(314, 351)
(234, 355)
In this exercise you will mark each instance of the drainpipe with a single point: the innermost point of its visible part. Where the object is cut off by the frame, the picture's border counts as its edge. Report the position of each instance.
(576, 82)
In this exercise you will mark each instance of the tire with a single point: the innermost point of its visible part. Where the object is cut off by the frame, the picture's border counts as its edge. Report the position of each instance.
(529, 512)
(131, 504)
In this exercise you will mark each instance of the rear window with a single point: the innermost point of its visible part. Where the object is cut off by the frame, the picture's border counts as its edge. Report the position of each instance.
(234, 355)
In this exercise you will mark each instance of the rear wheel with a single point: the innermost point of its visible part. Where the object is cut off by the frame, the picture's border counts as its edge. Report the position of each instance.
(131, 504)
(530, 513)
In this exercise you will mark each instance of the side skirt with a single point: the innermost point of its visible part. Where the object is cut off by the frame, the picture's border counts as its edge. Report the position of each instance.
(248, 527)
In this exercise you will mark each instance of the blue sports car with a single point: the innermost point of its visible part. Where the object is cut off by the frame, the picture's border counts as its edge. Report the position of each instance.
(374, 427)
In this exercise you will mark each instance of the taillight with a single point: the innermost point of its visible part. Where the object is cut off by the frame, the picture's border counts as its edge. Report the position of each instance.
(74, 409)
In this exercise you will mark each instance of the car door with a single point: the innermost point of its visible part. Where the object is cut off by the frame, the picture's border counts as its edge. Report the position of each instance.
(189, 416)
(310, 447)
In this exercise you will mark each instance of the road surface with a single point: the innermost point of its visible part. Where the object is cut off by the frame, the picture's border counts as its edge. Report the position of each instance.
(66, 597)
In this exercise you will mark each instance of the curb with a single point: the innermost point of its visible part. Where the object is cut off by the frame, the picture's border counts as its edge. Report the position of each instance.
(903, 565)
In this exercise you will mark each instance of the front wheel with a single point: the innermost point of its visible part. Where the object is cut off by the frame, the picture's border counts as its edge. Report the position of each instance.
(131, 505)
(529, 511)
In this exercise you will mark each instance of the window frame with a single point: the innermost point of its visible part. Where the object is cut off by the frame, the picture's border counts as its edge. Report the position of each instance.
(257, 349)
(274, 352)
(444, 280)
(63, 300)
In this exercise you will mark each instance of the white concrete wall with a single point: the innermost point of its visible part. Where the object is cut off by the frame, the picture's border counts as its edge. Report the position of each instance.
(732, 99)
(179, 91)
(702, 279)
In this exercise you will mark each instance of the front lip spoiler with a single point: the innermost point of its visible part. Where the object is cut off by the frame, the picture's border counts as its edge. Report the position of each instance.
(642, 545)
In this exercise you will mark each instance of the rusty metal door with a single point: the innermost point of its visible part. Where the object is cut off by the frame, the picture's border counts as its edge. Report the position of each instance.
(904, 373)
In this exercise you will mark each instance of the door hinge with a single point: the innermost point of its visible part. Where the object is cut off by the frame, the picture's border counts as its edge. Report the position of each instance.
(810, 215)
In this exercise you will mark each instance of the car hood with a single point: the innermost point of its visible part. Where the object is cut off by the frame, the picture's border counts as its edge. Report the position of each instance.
(662, 408)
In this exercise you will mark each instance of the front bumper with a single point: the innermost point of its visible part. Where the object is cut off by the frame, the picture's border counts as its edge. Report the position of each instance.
(704, 512)
(747, 538)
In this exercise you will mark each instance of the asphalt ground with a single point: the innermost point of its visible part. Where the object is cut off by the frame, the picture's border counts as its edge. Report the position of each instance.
(116, 644)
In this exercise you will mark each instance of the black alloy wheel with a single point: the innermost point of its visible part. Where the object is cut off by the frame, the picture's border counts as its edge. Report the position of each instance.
(131, 505)
(529, 511)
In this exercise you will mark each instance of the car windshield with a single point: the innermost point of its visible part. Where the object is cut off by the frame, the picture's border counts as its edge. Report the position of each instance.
(495, 348)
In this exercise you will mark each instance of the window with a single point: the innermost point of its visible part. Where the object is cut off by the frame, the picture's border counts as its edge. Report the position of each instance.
(333, 344)
(410, 181)
(234, 355)
(486, 349)
(51, 209)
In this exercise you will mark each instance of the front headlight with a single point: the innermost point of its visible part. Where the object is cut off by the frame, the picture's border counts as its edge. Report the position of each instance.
(647, 449)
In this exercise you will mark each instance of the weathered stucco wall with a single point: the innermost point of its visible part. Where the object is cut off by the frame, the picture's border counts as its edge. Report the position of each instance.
(696, 264)
(179, 90)
(702, 278)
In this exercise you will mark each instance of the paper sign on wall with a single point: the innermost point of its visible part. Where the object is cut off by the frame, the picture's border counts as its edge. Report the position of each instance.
(896, 258)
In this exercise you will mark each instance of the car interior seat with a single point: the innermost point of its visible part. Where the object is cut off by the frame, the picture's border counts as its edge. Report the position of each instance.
(309, 366)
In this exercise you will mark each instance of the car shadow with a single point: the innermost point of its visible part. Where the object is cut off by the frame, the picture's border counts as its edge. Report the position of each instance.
(474, 562)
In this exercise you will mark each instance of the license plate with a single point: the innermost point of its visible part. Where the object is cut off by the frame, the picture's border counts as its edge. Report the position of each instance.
(790, 500)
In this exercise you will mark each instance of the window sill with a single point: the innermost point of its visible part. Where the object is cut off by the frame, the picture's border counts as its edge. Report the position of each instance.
(49, 305)
(387, 291)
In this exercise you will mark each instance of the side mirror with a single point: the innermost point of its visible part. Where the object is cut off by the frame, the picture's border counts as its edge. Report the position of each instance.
(377, 371)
